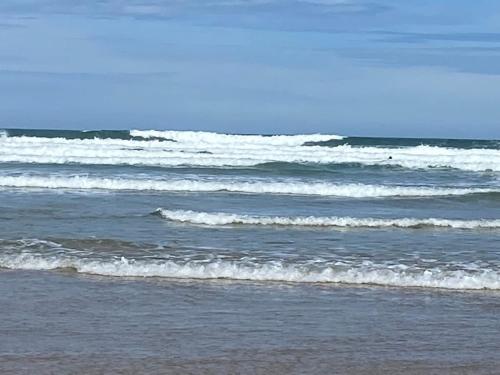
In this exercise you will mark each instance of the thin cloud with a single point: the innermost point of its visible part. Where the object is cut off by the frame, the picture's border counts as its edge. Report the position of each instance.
(484, 61)
(413, 37)
(160, 8)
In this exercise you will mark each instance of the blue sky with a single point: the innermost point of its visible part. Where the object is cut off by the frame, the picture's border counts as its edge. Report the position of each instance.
(355, 67)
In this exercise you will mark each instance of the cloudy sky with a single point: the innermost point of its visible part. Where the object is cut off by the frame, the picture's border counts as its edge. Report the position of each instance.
(356, 67)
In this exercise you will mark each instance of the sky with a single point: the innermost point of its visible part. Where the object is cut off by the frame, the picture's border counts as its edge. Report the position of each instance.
(413, 68)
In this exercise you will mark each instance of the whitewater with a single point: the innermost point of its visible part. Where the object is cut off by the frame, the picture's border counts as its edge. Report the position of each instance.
(222, 218)
(306, 209)
(466, 276)
(204, 149)
(225, 185)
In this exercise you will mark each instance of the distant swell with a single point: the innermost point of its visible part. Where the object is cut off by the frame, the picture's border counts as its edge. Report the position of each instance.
(206, 218)
(367, 273)
(252, 187)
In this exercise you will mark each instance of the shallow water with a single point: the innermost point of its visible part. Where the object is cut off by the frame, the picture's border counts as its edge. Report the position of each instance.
(65, 322)
(188, 252)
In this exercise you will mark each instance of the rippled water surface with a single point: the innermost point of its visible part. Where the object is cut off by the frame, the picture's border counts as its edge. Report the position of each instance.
(231, 253)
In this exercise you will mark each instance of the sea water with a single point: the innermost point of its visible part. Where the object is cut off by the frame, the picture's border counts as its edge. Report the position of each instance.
(199, 251)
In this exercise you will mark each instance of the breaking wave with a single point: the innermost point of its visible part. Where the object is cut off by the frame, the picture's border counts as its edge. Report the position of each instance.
(206, 218)
(397, 275)
(205, 149)
(250, 187)
(232, 139)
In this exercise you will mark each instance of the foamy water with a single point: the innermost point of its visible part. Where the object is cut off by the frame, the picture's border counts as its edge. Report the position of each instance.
(252, 187)
(174, 148)
(399, 213)
(221, 218)
(462, 276)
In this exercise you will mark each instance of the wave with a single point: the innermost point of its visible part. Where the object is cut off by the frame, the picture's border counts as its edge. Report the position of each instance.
(67, 134)
(172, 136)
(204, 149)
(411, 142)
(219, 218)
(249, 187)
(232, 139)
(397, 275)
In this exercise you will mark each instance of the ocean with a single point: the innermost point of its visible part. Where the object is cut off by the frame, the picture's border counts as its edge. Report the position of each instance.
(148, 251)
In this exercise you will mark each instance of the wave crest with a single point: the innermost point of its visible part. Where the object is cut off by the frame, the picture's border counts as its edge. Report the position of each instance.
(219, 218)
(397, 275)
(249, 187)
(194, 137)
(204, 149)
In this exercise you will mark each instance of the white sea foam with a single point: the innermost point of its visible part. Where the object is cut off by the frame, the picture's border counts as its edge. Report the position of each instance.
(251, 187)
(221, 150)
(232, 139)
(219, 218)
(397, 275)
